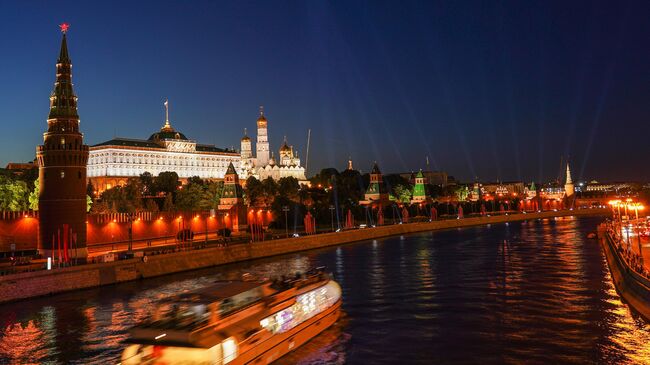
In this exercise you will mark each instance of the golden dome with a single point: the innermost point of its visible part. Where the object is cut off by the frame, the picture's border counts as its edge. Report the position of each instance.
(285, 147)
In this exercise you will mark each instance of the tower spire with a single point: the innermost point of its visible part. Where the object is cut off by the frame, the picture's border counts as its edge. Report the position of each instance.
(568, 174)
(63, 101)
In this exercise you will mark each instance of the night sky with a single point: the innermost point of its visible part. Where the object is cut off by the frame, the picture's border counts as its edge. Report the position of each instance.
(494, 90)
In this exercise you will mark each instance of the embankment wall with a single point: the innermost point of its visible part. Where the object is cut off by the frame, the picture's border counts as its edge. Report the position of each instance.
(31, 284)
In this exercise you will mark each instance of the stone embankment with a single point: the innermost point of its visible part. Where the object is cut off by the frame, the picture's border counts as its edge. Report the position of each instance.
(38, 283)
(633, 287)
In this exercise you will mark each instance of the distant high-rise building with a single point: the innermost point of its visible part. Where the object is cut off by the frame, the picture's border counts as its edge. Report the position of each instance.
(62, 163)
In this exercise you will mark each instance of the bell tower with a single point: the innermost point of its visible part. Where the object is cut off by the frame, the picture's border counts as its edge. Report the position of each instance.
(262, 140)
(62, 161)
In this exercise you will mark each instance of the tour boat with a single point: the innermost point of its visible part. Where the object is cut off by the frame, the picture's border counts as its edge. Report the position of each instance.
(236, 322)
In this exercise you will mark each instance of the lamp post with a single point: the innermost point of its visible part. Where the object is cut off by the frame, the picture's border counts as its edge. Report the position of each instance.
(285, 209)
(130, 250)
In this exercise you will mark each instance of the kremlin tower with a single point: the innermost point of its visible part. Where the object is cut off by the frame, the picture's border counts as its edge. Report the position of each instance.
(62, 163)
(568, 185)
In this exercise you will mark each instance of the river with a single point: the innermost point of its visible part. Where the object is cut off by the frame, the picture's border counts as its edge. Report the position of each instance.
(536, 292)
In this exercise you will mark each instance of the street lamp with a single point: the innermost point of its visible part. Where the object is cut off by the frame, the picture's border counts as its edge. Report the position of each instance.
(285, 209)
(332, 216)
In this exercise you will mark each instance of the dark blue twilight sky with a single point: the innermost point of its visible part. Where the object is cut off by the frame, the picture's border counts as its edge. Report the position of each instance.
(498, 90)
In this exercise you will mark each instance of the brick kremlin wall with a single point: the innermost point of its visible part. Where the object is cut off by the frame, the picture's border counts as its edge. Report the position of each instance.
(25, 285)
(21, 228)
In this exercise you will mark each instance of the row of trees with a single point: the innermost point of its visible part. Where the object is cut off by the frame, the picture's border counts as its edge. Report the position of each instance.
(159, 193)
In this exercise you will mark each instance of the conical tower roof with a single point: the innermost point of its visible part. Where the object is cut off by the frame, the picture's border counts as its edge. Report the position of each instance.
(63, 53)
(375, 169)
(231, 170)
(63, 101)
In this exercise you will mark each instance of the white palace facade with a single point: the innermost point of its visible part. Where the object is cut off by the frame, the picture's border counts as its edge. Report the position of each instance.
(113, 162)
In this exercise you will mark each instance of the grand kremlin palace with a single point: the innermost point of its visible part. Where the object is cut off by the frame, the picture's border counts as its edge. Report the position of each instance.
(113, 162)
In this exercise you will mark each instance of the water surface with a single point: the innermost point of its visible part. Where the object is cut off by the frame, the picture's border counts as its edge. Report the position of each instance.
(535, 292)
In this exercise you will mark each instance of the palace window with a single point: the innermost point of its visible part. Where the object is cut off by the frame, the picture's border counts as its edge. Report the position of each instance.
(62, 174)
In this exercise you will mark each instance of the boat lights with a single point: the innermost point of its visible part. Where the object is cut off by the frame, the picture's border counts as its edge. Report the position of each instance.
(229, 348)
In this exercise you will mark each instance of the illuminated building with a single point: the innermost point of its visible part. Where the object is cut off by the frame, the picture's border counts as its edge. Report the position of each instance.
(232, 198)
(263, 166)
(62, 163)
(419, 191)
(376, 192)
(113, 162)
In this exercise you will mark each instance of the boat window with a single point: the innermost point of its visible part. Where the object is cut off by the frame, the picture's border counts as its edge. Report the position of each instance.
(182, 314)
(307, 305)
(238, 301)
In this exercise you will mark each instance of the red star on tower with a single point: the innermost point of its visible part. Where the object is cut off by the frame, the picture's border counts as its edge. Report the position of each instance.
(64, 27)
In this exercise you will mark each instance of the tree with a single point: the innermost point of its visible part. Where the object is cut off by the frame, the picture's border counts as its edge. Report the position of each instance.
(33, 196)
(402, 193)
(211, 195)
(189, 197)
(167, 182)
(168, 204)
(90, 190)
(148, 183)
(288, 187)
(253, 191)
(14, 194)
(89, 203)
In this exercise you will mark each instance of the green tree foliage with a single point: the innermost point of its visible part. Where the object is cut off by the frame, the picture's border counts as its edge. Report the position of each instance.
(33, 196)
(122, 199)
(402, 193)
(14, 194)
(211, 195)
(189, 197)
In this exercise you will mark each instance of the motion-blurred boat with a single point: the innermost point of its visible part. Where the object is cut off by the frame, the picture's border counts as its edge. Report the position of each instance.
(236, 322)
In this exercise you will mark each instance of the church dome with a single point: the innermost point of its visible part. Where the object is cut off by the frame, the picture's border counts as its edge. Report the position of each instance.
(285, 147)
(245, 139)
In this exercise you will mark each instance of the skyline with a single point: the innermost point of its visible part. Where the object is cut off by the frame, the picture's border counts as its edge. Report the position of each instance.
(355, 84)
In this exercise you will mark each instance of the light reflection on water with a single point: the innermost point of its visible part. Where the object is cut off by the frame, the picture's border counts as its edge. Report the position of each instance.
(536, 291)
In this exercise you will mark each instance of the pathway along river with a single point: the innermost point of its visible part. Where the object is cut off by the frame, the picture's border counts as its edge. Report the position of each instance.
(536, 292)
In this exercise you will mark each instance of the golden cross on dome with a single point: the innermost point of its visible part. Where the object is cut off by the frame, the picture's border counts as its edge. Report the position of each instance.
(64, 27)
